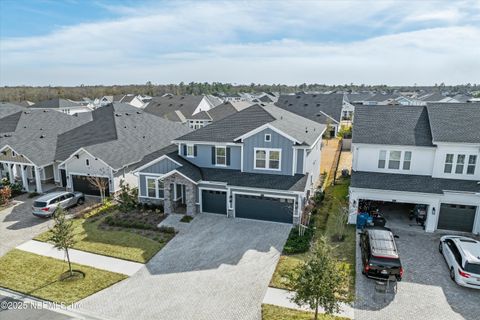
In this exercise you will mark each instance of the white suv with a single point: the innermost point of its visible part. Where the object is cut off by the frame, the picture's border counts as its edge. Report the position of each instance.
(462, 255)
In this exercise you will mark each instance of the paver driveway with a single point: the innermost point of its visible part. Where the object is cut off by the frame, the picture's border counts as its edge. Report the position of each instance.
(218, 268)
(426, 291)
(17, 224)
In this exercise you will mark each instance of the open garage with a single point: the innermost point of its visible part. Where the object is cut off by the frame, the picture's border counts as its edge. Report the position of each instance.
(264, 208)
(82, 184)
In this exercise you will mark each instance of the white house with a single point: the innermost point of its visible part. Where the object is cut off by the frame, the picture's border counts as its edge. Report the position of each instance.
(63, 105)
(420, 155)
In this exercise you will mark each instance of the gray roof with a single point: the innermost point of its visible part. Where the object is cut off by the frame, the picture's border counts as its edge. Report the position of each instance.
(310, 105)
(455, 122)
(7, 108)
(36, 134)
(240, 123)
(166, 106)
(120, 135)
(410, 183)
(381, 97)
(392, 125)
(359, 97)
(9, 123)
(56, 103)
(433, 97)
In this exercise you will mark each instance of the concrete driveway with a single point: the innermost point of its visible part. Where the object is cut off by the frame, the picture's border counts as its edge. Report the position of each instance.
(217, 268)
(426, 291)
(17, 224)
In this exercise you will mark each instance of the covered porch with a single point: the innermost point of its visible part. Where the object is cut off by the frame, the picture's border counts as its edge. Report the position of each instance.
(179, 195)
(31, 177)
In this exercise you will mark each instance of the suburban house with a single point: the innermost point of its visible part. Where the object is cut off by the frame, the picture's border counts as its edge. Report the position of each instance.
(420, 155)
(260, 163)
(117, 137)
(28, 138)
(184, 109)
(327, 109)
(219, 112)
(63, 105)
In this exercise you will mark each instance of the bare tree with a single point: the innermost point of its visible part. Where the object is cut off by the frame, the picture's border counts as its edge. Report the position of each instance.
(100, 183)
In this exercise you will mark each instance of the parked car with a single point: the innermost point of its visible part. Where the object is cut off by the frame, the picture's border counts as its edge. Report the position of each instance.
(46, 205)
(380, 257)
(462, 255)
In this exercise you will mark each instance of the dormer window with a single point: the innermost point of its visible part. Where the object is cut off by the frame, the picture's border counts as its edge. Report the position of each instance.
(268, 137)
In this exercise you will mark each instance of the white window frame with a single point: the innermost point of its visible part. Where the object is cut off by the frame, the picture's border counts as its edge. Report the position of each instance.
(216, 156)
(471, 165)
(451, 164)
(269, 137)
(267, 159)
(463, 166)
(380, 152)
(155, 180)
(192, 154)
(404, 161)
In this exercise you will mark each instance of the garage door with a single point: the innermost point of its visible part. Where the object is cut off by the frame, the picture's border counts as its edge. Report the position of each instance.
(81, 183)
(264, 208)
(214, 201)
(456, 217)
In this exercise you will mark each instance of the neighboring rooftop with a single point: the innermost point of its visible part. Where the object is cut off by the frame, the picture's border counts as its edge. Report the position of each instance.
(7, 108)
(55, 103)
(392, 125)
(313, 106)
(455, 122)
(174, 107)
(410, 183)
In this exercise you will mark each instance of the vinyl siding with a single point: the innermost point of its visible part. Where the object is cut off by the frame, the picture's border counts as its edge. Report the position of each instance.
(300, 154)
(160, 167)
(204, 157)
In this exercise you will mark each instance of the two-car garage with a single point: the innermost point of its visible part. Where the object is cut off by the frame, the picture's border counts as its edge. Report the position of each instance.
(249, 205)
(456, 217)
(83, 184)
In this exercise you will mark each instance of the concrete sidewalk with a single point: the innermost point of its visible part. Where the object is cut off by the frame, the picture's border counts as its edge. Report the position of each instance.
(81, 257)
(281, 298)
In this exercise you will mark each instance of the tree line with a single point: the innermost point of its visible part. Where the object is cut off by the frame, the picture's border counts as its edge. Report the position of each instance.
(35, 94)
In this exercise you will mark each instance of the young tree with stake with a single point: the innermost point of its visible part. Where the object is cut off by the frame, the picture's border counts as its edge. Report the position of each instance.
(62, 234)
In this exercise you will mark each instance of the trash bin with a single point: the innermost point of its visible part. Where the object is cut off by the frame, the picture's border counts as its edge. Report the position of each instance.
(362, 220)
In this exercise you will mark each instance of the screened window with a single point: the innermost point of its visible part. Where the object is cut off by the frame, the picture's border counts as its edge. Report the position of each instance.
(190, 150)
(151, 188)
(472, 161)
(394, 160)
(460, 163)
(407, 160)
(260, 159)
(274, 160)
(221, 156)
(382, 157)
(448, 163)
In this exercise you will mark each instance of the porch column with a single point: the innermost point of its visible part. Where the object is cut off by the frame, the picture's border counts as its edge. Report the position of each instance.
(10, 173)
(24, 177)
(190, 199)
(167, 197)
(38, 181)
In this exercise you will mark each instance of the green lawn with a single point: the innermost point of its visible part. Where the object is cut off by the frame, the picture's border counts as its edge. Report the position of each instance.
(114, 243)
(323, 225)
(38, 276)
(270, 312)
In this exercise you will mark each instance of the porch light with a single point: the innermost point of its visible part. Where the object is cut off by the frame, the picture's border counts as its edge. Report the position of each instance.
(433, 211)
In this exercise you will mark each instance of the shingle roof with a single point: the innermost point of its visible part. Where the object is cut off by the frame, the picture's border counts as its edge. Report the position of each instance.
(36, 134)
(165, 106)
(9, 123)
(256, 180)
(7, 108)
(392, 125)
(410, 183)
(55, 103)
(120, 135)
(455, 122)
(240, 123)
(310, 105)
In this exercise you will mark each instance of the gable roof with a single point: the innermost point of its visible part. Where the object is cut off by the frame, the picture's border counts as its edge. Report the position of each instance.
(392, 125)
(7, 108)
(9, 123)
(36, 133)
(310, 105)
(238, 124)
(166, 106)
(455, 122)
(120, 135)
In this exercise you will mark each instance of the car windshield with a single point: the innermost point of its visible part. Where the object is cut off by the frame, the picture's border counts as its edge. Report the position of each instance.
(39, 204)
(472, 268)
(385, 262)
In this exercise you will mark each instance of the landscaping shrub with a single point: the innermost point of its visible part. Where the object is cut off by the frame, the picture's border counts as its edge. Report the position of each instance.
(5, 195)
(166, 229)
(127, 197)
(297, 243)
(186, 219)
(16, 189)
(33, 194)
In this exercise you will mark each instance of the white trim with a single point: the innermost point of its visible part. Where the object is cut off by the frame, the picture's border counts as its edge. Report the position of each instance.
(224, 148)
(241, 157)
(210, 143)
(263, 127)
(176, 171)
(234, 193)
(269, 135)
(151, 174)
(193, 150)
(87, 175)
(155, 161)
(91, 155)
(200, 202)
(294, 163)
(267, 158)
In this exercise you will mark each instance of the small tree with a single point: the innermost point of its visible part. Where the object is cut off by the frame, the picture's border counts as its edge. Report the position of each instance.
(101, 184)
(62, 234)
(340, 220)
(5, 195)
(127, 197)
(321, 281)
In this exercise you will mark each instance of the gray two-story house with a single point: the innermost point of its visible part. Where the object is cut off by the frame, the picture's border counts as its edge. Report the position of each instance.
(260, 163)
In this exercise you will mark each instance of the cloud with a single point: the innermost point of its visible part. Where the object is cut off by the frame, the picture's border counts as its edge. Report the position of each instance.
(243, 42)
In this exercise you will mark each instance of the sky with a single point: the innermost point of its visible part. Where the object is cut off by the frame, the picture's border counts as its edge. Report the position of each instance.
(74, 42)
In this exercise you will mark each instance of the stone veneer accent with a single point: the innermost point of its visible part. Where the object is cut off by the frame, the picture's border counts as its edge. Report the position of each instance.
(190, 194)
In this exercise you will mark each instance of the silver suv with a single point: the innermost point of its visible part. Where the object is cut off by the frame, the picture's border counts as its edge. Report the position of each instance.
(46, 205)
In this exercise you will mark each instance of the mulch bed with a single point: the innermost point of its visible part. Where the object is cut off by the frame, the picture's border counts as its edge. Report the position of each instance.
(149, 217)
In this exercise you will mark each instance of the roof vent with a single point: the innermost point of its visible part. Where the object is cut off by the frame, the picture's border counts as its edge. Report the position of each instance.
(127, 114)
(125, 127)
(139, 112)
(26, 112)
(25, 127)
(171, 104)
(314, 95)
(143, 137)
(290, 104)
(318, 104)
(42, 136)
(305, 105)
(45, 110)
(118, 115)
